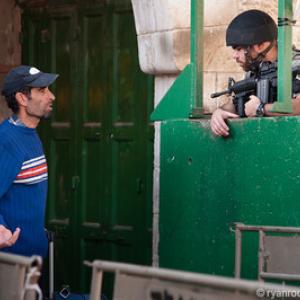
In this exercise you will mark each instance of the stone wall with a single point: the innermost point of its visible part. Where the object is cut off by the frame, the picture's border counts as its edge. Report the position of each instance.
(10, 50)
(163, 35)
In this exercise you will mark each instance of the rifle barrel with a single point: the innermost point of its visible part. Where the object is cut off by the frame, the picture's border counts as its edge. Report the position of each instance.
(218, 94)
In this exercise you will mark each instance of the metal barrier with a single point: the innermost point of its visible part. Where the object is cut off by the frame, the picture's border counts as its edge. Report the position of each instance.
(19, 277)
(278, 255)
(133, 282)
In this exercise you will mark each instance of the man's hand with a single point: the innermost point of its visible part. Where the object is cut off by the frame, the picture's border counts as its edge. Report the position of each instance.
(218, 124)
(7, 238)
(296, 105)
(251, 106)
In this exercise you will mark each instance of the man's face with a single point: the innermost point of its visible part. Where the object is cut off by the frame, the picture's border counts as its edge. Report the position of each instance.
(239, 55)
(39, 104)
(245, 56)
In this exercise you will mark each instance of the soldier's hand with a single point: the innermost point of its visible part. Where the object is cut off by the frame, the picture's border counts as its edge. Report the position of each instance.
(7, 238)
(251, 106)
(218, 124)
(296, 105)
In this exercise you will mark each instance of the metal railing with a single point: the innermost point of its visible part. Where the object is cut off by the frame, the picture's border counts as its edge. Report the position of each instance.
(133, 282)
(19, 277)
(284, 270)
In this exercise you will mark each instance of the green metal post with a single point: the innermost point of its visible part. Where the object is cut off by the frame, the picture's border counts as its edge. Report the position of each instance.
(197, 16)
(285, 15)
(184, 98)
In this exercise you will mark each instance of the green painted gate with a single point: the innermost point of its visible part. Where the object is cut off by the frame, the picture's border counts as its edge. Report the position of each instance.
(99, 142)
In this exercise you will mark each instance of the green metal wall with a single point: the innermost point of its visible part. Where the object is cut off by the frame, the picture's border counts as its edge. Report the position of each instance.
(209, 182)
(99, 142)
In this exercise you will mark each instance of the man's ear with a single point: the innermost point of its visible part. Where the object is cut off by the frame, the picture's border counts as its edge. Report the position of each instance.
(21, 98)
(262, 46)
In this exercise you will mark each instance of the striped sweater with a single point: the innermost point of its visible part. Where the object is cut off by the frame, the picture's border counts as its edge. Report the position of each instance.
(23, 188)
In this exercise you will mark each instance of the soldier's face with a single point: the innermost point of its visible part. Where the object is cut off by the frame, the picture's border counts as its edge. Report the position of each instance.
(242, 55)
(239, 56)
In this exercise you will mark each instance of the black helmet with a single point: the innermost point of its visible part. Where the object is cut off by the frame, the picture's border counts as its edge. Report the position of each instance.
(251, 27)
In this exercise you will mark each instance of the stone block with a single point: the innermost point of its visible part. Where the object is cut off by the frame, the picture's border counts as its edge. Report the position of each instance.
(162, 15)
(270, 6)
(182, 44)
(164, 52)
(209, 86)
(144, 22)
(180, 13)
(217, 57)
(216, 82)
(296, 36)
(219, 13)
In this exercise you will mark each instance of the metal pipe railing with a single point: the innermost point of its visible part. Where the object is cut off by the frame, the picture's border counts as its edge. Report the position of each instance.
(216, 283)
(196, 53)
(284, 76)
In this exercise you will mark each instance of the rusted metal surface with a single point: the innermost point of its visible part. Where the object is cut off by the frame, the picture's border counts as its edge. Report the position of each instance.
(10, 50)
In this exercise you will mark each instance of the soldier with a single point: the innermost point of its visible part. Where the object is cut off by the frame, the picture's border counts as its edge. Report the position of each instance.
(253, 38)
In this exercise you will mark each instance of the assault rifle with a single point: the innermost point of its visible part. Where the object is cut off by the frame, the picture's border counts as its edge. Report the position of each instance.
(264, 86)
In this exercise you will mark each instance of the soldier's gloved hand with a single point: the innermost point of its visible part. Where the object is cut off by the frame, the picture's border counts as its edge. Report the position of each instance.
(7, 238)
(251, 106)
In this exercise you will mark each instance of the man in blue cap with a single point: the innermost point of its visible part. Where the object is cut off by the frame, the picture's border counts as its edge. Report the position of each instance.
(23, 172)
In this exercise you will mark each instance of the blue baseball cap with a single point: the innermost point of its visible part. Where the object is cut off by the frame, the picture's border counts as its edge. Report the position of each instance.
(23, 76)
